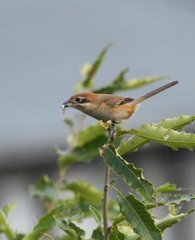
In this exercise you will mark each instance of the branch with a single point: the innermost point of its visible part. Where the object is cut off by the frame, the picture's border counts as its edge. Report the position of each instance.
(105, 199)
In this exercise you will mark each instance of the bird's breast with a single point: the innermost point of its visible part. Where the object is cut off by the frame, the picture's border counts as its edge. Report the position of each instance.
(115, 114)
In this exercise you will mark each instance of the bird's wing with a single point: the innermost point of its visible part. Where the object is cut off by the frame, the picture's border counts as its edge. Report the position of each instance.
(116, 100)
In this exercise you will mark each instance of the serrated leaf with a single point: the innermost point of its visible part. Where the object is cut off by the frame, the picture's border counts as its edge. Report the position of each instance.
(178, 199)
(167, 188)
(138, 217)
(76, 216)
(45, 189)
(132, 176)
(121, 84)
(87, 83)
(176, 123)
(165, 136)
(170, 220)
(134, 142)
(173, 199)
(130, 145)
(96, 215)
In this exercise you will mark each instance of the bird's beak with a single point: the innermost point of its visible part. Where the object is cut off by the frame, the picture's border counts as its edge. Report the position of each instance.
(65, 104)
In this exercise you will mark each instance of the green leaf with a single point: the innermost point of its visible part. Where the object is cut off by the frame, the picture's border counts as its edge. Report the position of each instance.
(118, 83)
(44, 189)
(167, 188)
(87, 83)
(165, 136)
(96, 215)
(113, 181)
(62, 224)
(8, 208)
(2, 218)
(76, 216)
(5, 228)
(172, 200)
(90, 133)
(19, 236)
(47, 221)
(86, 191)
(65, 237)
(70, 228)
(69, 122)
(130, 145)
(138, 82)
(121, 84)
(178, 199)
(48, 236)
(139, 219)
(132, 237)
(176, 123)
(86, 147)
(97, 234)
(65, 160)
(34, 235)
(80, 232)
(170, 220)
(131, 175)
(115, 233)
(134, 142)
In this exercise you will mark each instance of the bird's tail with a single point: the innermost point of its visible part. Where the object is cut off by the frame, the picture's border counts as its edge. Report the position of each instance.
(152, 93)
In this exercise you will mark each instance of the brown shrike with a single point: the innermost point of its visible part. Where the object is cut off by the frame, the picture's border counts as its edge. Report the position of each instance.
(105, 107)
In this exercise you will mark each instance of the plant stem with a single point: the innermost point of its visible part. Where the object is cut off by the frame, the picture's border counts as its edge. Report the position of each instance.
(105, 199)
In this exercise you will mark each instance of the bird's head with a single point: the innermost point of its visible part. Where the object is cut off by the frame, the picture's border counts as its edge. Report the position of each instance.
(81, 101)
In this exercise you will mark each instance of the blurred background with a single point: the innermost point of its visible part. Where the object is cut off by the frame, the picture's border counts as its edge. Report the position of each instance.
(44, 44)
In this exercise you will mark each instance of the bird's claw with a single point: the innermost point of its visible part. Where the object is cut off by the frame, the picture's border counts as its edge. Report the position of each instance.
(111, 137)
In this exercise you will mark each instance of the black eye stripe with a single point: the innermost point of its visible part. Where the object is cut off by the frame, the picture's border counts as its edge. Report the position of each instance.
(82, 100)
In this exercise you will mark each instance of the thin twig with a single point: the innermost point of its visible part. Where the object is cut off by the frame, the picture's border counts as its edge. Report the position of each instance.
(105, 199)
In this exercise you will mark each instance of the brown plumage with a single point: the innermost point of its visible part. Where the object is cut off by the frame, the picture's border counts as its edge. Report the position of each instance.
(112, 107)
(105, 107)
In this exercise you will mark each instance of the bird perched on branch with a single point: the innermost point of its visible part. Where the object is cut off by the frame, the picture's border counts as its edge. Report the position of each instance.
(105, 107)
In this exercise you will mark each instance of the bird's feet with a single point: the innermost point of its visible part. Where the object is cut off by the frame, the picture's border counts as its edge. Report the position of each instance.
(111, 136)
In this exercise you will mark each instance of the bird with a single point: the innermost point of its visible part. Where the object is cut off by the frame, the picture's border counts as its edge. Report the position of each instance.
(109, 107)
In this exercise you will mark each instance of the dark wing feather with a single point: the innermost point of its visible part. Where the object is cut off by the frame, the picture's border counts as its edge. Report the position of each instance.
(116, 100)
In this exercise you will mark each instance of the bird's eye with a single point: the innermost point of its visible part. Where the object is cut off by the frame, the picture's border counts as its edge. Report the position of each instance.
(78, 99)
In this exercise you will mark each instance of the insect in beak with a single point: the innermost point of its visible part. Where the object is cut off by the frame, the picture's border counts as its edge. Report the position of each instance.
(63, 107)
